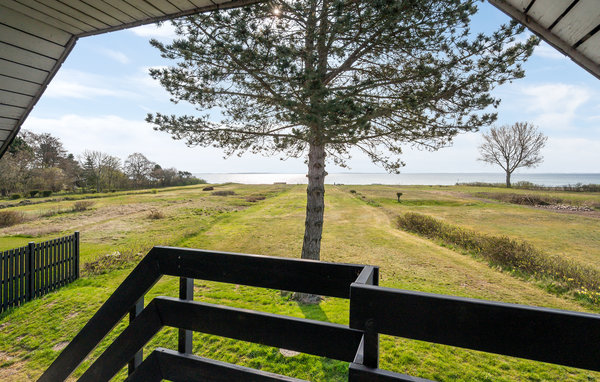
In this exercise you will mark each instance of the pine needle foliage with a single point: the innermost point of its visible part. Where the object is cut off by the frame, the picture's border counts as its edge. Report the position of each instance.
(322, 77)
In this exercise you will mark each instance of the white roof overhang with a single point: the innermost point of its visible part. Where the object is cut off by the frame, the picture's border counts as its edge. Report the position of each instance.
(571, 26)
(37, 36)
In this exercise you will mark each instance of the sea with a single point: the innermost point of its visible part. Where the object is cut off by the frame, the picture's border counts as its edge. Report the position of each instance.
(404, 178)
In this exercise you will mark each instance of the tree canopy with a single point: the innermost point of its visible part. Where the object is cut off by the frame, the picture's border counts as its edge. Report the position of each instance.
(320, 77)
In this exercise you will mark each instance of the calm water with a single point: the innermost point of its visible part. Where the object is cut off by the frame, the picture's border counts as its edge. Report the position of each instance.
(406, 179)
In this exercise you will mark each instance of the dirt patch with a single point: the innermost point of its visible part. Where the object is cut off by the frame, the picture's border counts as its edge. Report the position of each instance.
(587, 212)
(60, 346)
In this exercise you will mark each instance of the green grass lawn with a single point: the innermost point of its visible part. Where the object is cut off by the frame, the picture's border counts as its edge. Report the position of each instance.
(356, 230)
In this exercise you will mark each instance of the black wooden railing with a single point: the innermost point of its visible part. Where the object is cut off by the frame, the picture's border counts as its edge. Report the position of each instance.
(549, 335)
(32, 271)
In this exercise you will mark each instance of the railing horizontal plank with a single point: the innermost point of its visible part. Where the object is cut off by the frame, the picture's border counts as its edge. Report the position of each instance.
(360, 373)
(330, 279)
(179, 367)
(307, 336)
(541, 334)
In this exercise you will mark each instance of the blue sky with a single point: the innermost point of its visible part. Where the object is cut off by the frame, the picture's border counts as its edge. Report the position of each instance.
(101, 95)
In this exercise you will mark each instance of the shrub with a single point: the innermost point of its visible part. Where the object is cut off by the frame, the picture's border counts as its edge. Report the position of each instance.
(523, 199)
(210, 188)
(82, 205)
(110, 261)
(508, 253)
(155, 214)
(10, 218)
(353, 191)
(46, 193)
(15, 196)
(223, 193)
(33, 193)
(154, 191)
(254, 199)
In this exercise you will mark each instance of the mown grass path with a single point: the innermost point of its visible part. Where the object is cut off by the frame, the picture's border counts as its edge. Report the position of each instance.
(354, 231)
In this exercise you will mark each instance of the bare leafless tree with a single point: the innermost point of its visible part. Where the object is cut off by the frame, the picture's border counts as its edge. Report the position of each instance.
(512, 147)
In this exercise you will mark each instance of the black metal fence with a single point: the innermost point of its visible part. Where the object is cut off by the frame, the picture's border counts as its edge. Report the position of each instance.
(36, 269)
(548, 335)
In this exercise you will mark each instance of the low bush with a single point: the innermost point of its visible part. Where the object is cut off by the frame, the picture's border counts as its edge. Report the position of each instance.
(82, 205)
(33, 193)
(353, 191)
(523, 199)
(509, 254)
(210, 188)
(223, 193)
(111, 261)
(46, 193)
(155, 214)
(15, 196)
(254, 199)
(10, 218)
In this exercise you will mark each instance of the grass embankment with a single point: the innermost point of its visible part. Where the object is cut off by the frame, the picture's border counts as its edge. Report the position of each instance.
(33, 335)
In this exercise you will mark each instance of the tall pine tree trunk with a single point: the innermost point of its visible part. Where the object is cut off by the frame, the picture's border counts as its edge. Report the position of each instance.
(315, 203)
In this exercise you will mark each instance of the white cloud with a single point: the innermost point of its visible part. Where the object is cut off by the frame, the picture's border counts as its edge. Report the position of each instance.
(555, 105)
(166, 31)
(116, 55)
(546, 51)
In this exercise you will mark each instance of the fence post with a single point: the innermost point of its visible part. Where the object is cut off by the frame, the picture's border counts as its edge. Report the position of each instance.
(186, 292)
(135, 311)
(76, 255)
(30, 266)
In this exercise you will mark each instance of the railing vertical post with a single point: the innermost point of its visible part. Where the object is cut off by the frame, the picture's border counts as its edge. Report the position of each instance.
(76, 255)
(371, 337)
(186, 292)
(30, 267)
(135, 311)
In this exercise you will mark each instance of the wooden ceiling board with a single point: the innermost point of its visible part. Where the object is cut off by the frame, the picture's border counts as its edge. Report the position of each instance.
(4, 134)
(127, 8)
(164, 6)
(32, 43)
(61, 17)
(92, 12)
(147, 8)
(182, 4)
(19, 86)
(591, 48)
(108, 9)
(14, 99)
(11, 111)
(76, 14)
(545, 12)
(202, 3)
(580, 20)
(40, 16)
(7, 124)
(14, 70)
(24, 23)
(520, 4)
(22, 56)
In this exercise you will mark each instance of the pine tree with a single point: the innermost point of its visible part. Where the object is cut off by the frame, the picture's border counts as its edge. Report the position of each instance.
(319, 77)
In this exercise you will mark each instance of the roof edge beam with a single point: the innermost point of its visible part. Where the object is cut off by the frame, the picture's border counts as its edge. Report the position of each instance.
(548, 36)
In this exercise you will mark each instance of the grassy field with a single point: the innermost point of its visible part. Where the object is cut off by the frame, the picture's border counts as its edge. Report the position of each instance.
(359, 228)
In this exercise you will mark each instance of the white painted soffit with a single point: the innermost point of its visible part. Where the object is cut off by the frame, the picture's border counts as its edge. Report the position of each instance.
(571, 26)
(36, 36)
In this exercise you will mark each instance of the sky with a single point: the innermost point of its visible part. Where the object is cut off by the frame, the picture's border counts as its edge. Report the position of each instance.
(99, 98)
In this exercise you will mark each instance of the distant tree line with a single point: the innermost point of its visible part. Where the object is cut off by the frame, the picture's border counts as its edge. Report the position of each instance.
(38, 163)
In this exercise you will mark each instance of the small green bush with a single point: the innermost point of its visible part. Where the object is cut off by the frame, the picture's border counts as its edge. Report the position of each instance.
(46, 193)
(155, 214)
(209, 188)
(353, 191)
(82, 205)
(223, 193)
(254, 199)
(15, 196)
(154, 191)
(33, 193)
(10, 218)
